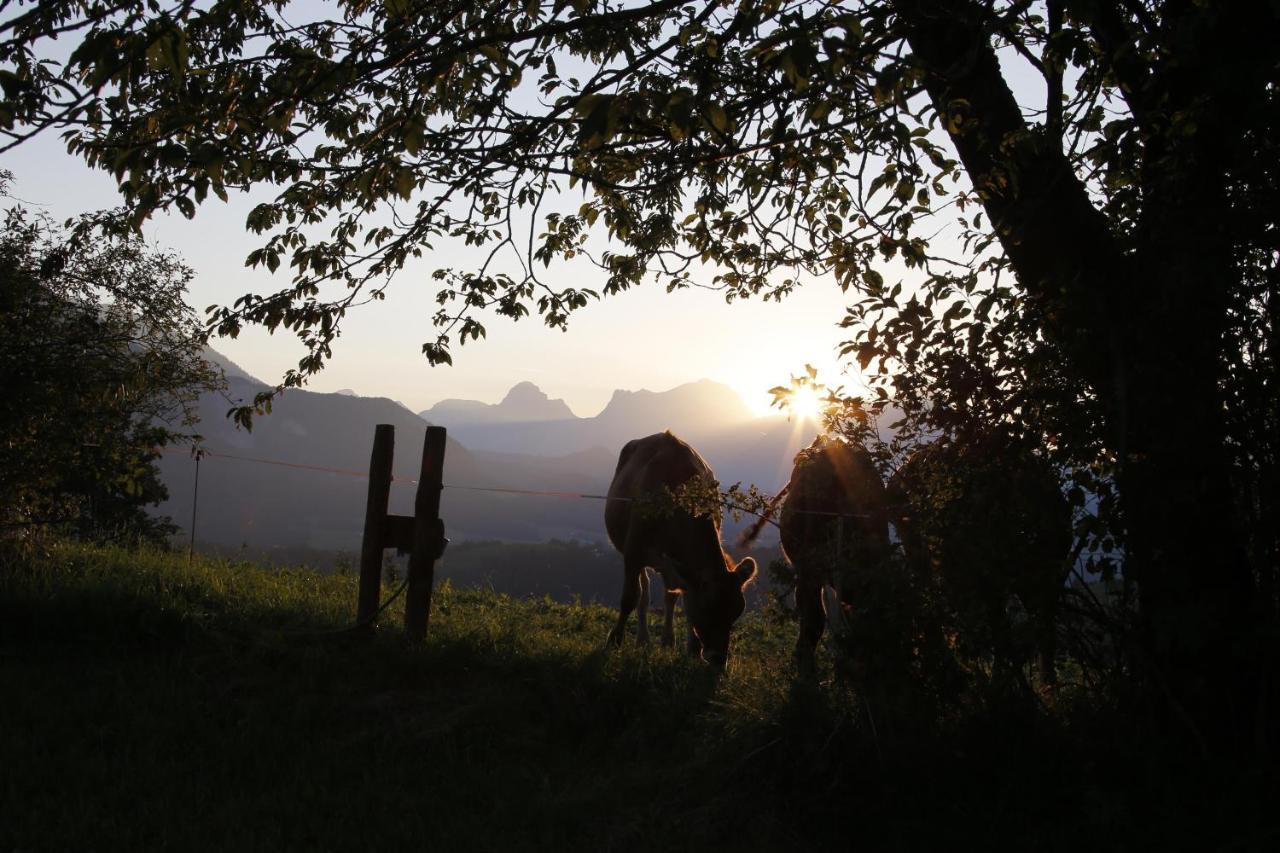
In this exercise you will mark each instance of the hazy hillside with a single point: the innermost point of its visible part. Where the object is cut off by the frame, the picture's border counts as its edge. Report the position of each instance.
(294, 480)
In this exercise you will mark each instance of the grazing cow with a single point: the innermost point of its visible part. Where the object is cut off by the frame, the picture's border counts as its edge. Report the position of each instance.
(986, 521)
(834, 530)
(684, 548)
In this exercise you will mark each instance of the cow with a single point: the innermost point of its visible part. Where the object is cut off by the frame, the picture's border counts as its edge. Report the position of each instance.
(834, 531)
(684, 547)
(984, 519)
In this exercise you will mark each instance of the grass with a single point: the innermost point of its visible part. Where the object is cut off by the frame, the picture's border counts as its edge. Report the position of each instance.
(149, 704)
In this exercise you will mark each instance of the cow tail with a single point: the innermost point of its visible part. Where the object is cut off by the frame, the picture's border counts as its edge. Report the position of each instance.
(751, 533)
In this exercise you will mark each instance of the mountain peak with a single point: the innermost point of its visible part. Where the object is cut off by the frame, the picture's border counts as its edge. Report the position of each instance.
(693, 405)
(524, 393)
(524, 402)
(527, 402)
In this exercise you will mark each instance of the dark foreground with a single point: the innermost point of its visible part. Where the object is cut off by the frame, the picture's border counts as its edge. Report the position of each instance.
(151, 705)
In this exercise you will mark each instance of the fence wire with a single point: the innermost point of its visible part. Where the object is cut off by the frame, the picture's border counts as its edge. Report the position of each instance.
(348, 472)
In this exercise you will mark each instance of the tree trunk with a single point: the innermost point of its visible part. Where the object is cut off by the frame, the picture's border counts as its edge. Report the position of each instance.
(1182, 545)
(1142, 325)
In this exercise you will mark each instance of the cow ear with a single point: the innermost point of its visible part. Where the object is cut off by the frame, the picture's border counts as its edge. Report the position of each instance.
(745, 571)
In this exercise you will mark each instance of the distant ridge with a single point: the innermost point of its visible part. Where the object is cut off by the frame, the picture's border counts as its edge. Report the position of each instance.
(525, 402)
(296, 478)
(703, 401)
(528, 422)
(229, 367)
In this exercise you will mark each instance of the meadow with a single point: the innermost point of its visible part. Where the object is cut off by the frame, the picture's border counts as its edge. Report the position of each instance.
(152, 704)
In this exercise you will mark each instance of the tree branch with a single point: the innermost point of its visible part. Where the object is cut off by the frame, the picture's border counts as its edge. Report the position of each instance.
(1059, 244)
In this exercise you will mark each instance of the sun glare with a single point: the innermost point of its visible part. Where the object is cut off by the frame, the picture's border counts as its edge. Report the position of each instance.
(805, 403)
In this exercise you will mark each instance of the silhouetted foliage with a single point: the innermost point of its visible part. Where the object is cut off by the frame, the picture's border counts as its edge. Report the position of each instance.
(986, 526)
(100, 361)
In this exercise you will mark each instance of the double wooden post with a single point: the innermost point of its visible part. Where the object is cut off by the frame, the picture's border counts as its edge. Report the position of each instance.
(421, 534)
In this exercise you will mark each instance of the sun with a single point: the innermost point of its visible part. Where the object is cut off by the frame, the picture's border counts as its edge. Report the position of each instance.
(805, 403)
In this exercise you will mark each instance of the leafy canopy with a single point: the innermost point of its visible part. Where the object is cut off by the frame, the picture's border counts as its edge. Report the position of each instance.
(763, 141)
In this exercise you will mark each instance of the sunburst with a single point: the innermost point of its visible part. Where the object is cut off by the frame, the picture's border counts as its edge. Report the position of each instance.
(805, 403)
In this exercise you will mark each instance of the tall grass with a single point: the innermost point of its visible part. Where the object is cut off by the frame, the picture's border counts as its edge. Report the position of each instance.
(151, 704)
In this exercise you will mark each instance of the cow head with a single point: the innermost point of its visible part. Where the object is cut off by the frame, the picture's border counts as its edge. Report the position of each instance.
(714, 606)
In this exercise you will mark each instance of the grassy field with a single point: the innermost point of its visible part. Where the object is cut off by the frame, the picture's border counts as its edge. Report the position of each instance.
(146, 704)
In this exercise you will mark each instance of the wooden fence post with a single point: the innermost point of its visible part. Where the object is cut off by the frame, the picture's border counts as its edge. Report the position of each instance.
(428, 536)
(375, 524)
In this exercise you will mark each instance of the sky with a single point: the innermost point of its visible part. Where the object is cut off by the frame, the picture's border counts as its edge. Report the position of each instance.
(644, 338)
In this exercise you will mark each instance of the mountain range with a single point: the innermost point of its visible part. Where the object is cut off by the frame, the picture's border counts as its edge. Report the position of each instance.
(525, 402)
(527, 421)
(296, 478)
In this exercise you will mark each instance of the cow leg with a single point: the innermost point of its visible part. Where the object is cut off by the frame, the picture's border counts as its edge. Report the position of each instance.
(831, 602)
(695, 645)
(632, 567)
(669, 619)
(813, 619)
(642, 609)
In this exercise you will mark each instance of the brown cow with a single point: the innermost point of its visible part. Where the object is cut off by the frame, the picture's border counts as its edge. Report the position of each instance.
(833, 529)
(684, 548)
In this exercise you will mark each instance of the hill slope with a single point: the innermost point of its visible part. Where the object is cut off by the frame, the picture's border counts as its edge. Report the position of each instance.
(154, 705)
(296, 478)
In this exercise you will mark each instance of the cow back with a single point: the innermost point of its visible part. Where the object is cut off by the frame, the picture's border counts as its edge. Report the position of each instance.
(834, 513)
(647, 468)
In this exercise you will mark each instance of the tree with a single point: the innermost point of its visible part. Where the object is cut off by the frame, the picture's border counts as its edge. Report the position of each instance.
(1088, 243)
(101, 362)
